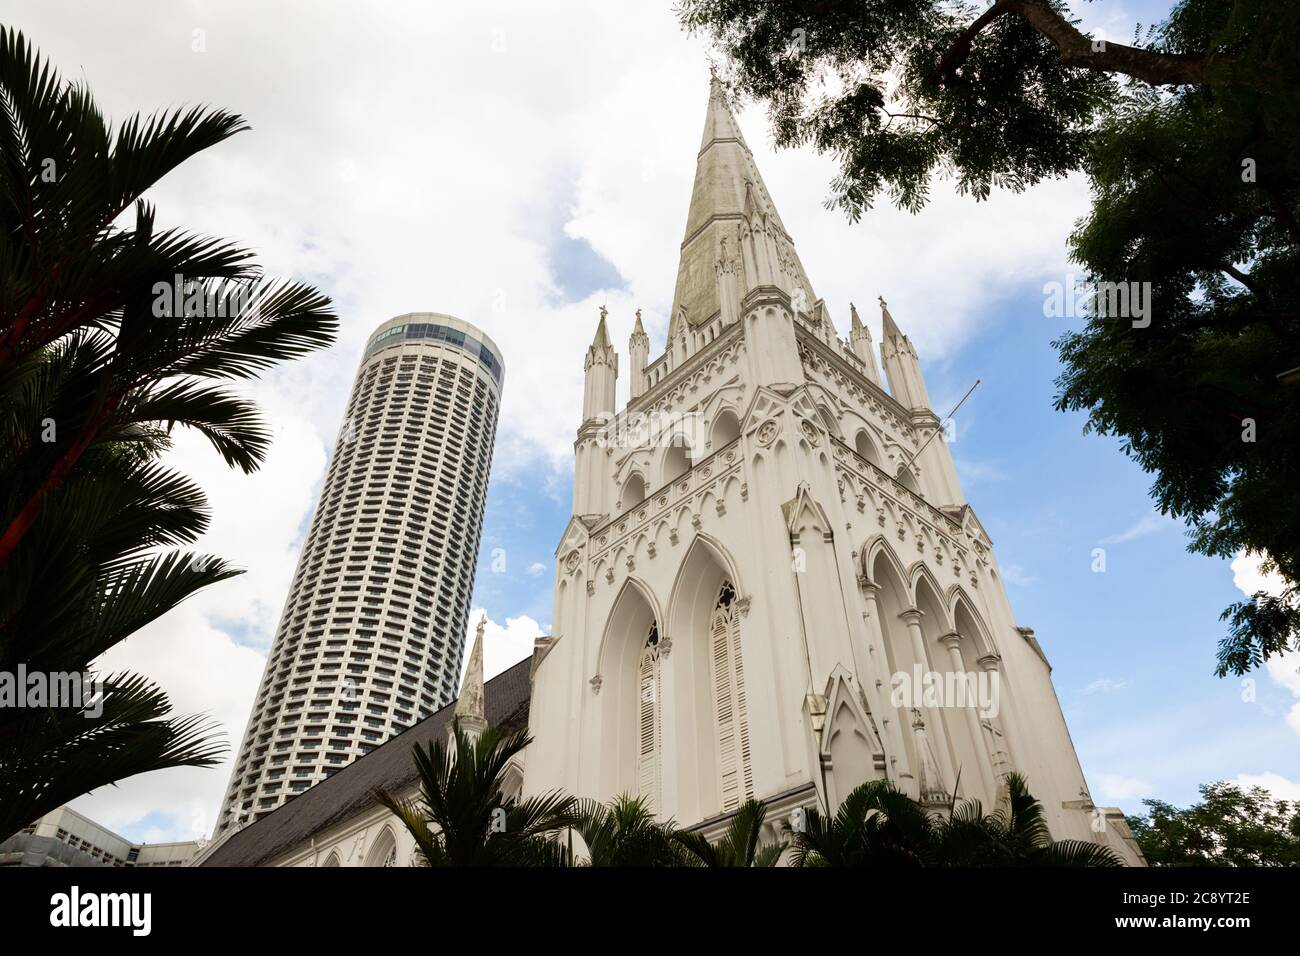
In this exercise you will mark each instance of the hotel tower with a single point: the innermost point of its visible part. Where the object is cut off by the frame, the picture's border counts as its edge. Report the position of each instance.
(371, 636)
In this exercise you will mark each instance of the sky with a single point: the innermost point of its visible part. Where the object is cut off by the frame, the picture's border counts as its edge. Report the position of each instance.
(521, 164)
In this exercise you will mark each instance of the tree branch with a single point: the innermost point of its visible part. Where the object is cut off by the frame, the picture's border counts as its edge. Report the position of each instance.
(1076, 48)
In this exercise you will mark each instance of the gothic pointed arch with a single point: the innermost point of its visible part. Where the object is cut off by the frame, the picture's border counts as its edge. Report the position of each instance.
(725, 428)
(633, 621)
(804, 514)
(635, 600)
(634, 491)
(675, 462)
(383, 852)
(333, 859)
(879, 549)
(970, 624)
(851, 751)
(926, 591)
(867, 447)
(706, 618)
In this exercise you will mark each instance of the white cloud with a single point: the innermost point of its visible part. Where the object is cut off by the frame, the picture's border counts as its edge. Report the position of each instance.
(503, 645)
(1250, 578)
(536, 568)
(1278, 785)
(203, 671)
(1105, 685)
(1015, 574)
(1115, 787)
(974, 471)
(431, 157)
(1148, 524)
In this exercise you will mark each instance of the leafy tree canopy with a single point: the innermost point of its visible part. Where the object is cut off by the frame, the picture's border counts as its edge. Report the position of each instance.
(1190, 136)
(1231, 826)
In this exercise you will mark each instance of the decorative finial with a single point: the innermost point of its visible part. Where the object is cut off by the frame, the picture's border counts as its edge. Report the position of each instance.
(482, 623)
(604, 311)
(883, 303)
(638, 315)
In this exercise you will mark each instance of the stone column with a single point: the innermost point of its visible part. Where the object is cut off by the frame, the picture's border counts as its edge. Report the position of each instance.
(952, 641)
(929, 779)
(912, 618)
(1001, 750)
(877, 661)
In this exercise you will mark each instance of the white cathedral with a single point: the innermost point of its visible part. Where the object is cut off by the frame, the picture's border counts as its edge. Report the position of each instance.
(771, 585)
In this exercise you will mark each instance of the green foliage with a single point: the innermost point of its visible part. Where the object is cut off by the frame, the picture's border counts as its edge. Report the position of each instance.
(741, 844)
(96, 369)
(1231, 826)
(624, 832)
(877, 825)
(461, 818)
(1191, 140)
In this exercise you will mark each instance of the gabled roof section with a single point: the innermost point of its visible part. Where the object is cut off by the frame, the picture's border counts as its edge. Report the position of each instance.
(351, 790)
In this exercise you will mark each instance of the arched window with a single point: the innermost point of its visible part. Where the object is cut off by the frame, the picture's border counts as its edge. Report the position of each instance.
(726, 429)
(384, 850)
(633, 491)
(866, 448)
(648, 722)
(332, 860)
(677, 461)
(735, 779)
(828, 420)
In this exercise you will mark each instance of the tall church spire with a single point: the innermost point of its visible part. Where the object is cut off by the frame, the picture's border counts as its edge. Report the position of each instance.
(601, 368)
(860, 343)
(638, 354)
(469, 712)
(902, 366)
(732, 225)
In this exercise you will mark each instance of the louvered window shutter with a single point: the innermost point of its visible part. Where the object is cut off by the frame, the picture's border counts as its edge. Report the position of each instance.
(734, 775)
(648, 727)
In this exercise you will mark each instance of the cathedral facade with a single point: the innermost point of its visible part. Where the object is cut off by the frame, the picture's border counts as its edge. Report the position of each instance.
(771, 585)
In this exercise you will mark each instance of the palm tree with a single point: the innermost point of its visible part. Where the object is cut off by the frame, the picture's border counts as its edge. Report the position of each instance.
(624, 832)
(739, 845)
(460, 817)
(1015, 834)
(112, 332)
(878, 825)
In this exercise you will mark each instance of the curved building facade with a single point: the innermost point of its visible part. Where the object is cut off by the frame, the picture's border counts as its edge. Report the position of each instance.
(372, 634)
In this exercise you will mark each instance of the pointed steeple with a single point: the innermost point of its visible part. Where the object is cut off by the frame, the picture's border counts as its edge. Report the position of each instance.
(888, 330)
(860, 343)
(601, 340)
(902, 366)
(601, 368)
(469, 712)
(729, 195)
(638, 356)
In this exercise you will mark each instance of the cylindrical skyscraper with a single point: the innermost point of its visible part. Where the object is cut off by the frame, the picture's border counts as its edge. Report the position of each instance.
(372, 633)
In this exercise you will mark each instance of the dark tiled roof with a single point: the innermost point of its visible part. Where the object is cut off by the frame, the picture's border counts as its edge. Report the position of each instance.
(351, 790)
